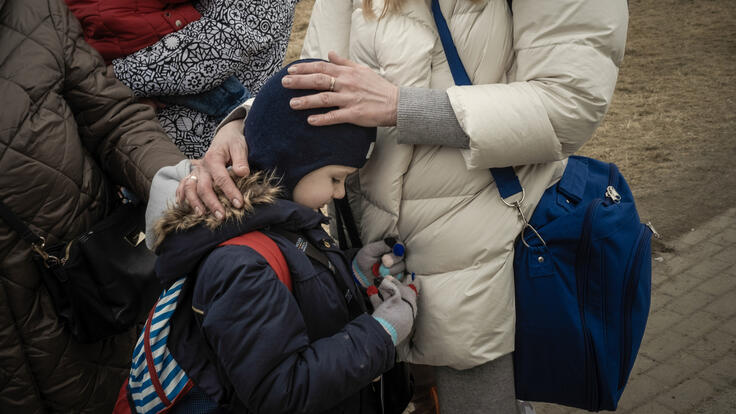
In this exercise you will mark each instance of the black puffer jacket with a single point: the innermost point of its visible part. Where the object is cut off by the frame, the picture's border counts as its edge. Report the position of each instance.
(66, 127)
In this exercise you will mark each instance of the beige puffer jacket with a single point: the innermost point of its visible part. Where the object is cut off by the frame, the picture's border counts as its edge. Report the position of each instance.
(65, 126)
(543, 79)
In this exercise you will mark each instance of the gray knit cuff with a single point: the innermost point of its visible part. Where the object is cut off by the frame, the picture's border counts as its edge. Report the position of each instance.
(425, 117)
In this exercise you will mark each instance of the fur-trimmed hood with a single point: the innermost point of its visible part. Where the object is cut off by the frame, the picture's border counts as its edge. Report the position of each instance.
(256, 188)
(181, 251)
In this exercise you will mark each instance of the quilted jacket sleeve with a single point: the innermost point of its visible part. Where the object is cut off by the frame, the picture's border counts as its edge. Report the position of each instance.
(226, 40)
(124, 137)
(263, 345)
(568, 54)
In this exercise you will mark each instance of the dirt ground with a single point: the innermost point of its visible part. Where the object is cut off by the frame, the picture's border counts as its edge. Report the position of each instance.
(672, 125)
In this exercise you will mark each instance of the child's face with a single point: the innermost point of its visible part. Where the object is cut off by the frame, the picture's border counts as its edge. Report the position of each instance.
(320, 186)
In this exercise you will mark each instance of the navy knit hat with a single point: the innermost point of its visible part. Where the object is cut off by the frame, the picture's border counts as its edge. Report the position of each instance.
(280, 139)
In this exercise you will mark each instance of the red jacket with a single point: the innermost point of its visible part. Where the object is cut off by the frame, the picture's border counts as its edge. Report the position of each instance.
(118, 28)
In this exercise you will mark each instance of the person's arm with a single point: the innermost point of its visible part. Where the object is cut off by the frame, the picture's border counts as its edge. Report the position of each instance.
(124, 137)
(561, 83)
(255, 329)
(206, 52)
(568, 54)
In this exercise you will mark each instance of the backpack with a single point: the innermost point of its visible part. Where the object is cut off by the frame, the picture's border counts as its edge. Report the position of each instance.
(156, 382)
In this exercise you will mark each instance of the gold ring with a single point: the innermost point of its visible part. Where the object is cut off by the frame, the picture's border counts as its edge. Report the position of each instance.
(332, 83)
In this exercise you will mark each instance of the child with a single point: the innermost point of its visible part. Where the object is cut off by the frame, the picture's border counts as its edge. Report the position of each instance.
(237, 332)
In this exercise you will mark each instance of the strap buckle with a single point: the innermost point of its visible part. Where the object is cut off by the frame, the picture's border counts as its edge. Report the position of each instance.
(50, 261)
(517, 204)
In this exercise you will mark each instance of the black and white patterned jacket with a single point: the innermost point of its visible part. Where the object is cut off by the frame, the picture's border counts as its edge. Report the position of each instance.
(244, 38)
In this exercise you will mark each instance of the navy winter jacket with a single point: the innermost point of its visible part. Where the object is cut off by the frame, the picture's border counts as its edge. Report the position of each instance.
(261, 348)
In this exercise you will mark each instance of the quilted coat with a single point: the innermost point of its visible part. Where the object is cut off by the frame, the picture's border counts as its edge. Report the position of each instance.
(543, 78)
(67, 130)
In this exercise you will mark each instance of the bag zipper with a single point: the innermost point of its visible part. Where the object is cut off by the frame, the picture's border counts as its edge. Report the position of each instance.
(633, 282)
(610, 196)
(582, 269)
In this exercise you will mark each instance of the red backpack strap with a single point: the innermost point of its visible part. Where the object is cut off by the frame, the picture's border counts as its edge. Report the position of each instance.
(266, 248)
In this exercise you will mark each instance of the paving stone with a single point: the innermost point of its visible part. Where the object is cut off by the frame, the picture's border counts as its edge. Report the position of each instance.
(687, 395)
(652, 407)
(677, 265)
(677, 369)
(679, 284)
(660, 320)
(544, 408)
(729, 326)
(702, 251)
(639, 391)
(690, 302)
(727, 256)
(723, 402)
(697, 324)
(717, 224)
(723, 306)
(665, 345)
(712, 347)
(659, 276)
(722, 374)
(659, 300)
(707, 268)
(719, 284)
(642, 364)
(725, 237)
(695, 236)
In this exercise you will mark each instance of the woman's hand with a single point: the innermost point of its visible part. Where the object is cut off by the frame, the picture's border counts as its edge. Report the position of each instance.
(228, 148)
(362, 96)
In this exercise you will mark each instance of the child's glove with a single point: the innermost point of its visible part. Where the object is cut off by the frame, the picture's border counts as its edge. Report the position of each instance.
(378, 259)
(395, 305)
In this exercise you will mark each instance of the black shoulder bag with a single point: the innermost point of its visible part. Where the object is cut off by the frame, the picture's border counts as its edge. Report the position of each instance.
(102, 282)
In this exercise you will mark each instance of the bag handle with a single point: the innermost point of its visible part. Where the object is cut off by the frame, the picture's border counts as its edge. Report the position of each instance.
(508, 184)
(267, 248)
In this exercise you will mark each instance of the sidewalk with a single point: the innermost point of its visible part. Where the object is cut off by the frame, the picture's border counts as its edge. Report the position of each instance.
(687, 361)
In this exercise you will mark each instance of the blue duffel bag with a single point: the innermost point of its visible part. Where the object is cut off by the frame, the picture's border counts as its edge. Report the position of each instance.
(583, 274)
(583, 286)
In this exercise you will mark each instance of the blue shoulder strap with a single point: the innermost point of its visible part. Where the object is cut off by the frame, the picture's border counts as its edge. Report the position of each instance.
(506, 180)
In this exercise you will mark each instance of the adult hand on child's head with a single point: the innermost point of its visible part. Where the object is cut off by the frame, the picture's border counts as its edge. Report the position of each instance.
(377, 259)
(228, 147)
(362, 96)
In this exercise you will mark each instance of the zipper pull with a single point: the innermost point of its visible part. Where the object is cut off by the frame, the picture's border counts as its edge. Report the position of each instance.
(654, 231)
(613, 194)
